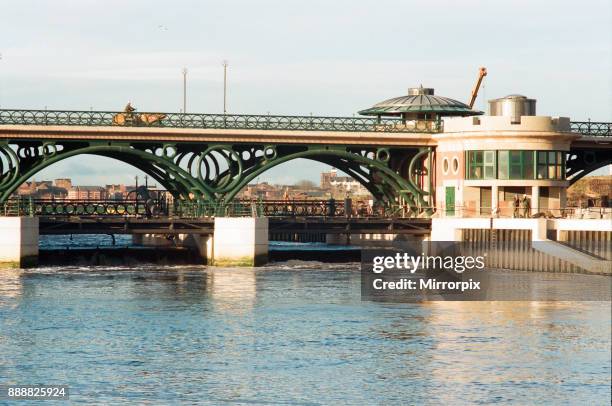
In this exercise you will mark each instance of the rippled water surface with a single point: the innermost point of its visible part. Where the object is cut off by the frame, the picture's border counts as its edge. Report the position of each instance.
(293, 333)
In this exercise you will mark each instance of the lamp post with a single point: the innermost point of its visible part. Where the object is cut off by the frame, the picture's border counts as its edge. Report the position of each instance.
(184, 90)
(225, 87)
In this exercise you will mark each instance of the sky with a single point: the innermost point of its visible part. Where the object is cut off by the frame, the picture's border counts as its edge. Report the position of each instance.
(316, 57)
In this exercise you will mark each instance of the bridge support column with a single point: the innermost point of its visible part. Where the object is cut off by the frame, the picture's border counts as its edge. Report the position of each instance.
(494, 200)
(535, 200)
(240, 241)
(18, 242)
(202, 243)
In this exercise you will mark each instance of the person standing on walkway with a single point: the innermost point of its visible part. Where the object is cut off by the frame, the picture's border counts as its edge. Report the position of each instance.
(526, 206)
(516, 204)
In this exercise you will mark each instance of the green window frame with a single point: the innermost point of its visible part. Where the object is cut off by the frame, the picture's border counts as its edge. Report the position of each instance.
(515, 165)
(503, 163)
(481, 165)
(520, 164)
(550, 165)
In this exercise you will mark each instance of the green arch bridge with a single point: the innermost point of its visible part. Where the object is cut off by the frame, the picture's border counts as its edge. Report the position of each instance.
(209, 158)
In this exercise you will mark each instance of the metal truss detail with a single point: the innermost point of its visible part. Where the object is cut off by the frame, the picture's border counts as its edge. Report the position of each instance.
(215, 173)
(580, 162)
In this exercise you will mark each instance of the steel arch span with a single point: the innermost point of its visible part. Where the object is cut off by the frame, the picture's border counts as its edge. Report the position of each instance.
(216, 172)
(582, 161)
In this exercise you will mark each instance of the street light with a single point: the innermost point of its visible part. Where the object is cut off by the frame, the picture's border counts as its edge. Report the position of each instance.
(184, 90)
(225, 86)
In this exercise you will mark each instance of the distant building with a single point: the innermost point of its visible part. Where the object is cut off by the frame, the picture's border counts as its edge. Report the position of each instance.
(27, 188)
(41, 190)
(116, 192)
(65, 183)
(348, 185)
(87, 193)
(50, 192)
(340, 186)
(262, 190)
(62, 189)
(326, 178)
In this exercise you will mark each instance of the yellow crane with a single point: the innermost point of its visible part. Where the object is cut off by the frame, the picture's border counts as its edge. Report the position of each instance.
(482, 72)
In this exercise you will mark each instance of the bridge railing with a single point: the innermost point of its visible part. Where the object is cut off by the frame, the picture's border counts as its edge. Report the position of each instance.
(289, 208)
(216, 121)
(26, 206)
(569, 212)
(247, 121)
(592, 128)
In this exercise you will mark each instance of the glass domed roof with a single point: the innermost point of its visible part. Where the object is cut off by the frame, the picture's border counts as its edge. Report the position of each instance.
(420, 100)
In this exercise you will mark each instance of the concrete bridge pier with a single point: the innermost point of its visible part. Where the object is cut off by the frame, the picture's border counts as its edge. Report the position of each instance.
(237, 241)
(240, 241)
(18, 242)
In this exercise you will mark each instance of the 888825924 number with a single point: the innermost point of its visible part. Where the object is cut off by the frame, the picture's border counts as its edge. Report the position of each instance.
(34, 392)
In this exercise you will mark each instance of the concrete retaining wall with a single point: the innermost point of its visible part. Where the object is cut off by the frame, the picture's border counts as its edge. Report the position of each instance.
(522, 244)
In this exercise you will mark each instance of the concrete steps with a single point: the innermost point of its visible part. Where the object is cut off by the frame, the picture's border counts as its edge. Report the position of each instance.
(584, 260)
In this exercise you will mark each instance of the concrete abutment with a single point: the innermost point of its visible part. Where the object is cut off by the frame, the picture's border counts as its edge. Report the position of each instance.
(536, 244)
(18, 242)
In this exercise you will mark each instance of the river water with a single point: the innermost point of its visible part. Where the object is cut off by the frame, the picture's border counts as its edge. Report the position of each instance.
(289, 333)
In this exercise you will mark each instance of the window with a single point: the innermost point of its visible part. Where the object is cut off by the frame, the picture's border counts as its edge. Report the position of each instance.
(475, 159)
(528, 165)
(515, 164)
(455, 164)
(489, 164)
(550, 165)
(520, 164)
(502, 164)
(481, 165)
(445, 165)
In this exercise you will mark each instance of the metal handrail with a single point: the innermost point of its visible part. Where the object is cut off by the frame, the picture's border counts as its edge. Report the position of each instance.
(218, 121)
(252, 121)
(573, 212)
(27, 206)
(592, 128)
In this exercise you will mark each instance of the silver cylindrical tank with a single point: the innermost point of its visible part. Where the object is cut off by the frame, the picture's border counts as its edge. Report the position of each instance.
(415, 91)
(514, 105)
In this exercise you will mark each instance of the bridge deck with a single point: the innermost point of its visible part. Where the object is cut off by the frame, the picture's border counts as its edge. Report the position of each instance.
(110, 133)
(198, 127)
